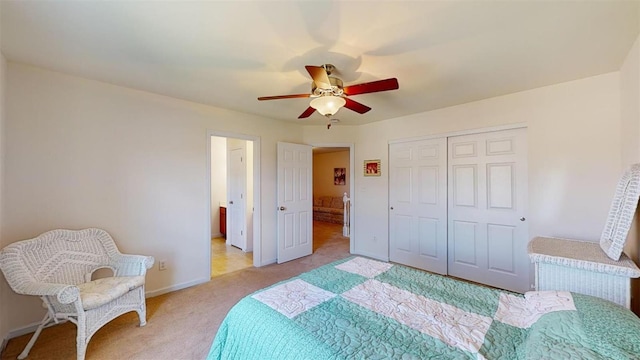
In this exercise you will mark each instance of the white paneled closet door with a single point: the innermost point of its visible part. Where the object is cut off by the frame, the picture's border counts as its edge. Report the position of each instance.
(487, 186)
(418, 204)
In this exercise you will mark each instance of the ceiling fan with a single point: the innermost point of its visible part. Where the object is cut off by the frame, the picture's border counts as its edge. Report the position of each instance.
(329, 94)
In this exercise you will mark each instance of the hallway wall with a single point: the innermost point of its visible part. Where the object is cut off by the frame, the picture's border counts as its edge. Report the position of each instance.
(323, 173)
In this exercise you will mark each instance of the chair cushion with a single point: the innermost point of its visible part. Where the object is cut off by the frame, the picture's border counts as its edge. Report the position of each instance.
(101, 291)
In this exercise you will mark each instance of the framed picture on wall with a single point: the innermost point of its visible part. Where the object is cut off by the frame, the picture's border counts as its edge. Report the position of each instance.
(339, 176)
(372, 168)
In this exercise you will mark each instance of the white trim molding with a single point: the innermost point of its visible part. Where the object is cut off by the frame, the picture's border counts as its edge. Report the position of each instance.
(257, 206)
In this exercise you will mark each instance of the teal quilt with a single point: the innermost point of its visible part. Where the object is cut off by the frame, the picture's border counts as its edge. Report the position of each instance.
(360, 308)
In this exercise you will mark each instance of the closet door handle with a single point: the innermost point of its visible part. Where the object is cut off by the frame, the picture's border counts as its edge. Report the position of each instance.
(391, 208)
(522, 219)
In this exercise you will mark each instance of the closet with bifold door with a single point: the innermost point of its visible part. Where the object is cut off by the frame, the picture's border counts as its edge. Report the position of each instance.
(458, 206)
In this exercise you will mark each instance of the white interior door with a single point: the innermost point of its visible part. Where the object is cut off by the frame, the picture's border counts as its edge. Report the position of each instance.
(236, 201)
(487, 187)
(418, 204)
(295, 201)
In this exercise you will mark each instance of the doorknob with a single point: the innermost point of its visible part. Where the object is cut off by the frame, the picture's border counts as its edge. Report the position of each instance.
(282, 208)
(522, 219)
(231, 202)
(392, 208)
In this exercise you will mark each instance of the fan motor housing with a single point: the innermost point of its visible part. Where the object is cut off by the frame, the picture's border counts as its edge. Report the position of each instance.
(336, 88)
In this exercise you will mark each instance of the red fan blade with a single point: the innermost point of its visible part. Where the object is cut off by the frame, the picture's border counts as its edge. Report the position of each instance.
(307, 113)
(319, 76)
(370, 87)
(284, 97)
(356, 106)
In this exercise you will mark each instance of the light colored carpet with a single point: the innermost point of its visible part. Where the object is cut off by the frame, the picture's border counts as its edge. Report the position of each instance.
(181, 324)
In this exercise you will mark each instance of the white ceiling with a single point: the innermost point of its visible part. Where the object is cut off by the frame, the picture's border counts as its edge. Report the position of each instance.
(226, 54)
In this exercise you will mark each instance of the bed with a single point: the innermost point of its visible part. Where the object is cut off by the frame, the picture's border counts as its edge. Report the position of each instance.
(358, 308)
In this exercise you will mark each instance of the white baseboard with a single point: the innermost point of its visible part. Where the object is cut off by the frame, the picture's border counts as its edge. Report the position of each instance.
(21, 331)
(176, 287)
(371, 255)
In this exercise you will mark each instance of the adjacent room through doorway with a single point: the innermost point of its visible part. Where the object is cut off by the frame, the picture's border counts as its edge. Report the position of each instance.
(232, 204)
(331, 181)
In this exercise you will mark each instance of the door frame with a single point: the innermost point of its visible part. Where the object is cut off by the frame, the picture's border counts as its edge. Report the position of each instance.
(257, 206)
(352, 227)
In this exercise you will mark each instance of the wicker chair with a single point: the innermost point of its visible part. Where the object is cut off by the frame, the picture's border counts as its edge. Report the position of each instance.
(58, 266)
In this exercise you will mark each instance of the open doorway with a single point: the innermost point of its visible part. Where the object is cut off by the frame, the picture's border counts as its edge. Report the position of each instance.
(332, 179)
(232, 193)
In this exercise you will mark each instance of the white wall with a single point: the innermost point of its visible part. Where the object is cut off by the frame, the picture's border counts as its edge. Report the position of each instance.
(630, 144)
(323, 166)
(574, 155)
(83, 153)
(4, 288)
(630, 106)
(218, 181)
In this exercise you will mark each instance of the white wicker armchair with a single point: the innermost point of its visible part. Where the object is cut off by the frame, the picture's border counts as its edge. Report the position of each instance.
(58, 266)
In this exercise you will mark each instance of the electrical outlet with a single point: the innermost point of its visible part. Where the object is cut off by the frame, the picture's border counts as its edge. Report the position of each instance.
(162, 265)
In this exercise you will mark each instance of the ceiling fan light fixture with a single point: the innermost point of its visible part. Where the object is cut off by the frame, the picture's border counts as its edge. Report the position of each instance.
(329, 95)
(328, 105)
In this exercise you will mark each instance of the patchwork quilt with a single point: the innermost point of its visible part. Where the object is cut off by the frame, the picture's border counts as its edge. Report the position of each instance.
(359, 308)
